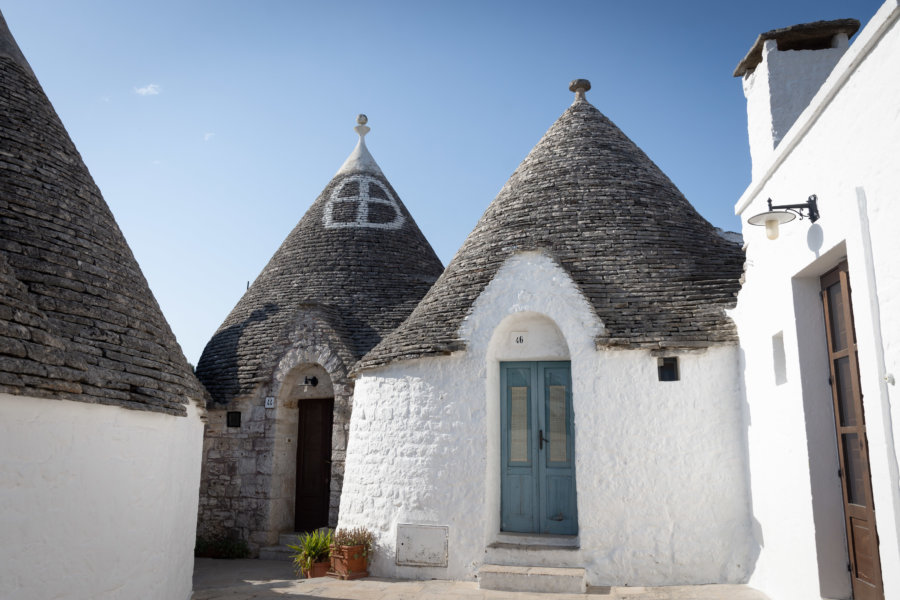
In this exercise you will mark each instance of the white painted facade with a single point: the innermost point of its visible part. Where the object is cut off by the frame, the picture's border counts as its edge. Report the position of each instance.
(660, 466)
(98, 501)
(844, 147)
(779, 89)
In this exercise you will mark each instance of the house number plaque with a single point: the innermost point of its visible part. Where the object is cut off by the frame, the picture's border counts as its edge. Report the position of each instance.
(519, 338)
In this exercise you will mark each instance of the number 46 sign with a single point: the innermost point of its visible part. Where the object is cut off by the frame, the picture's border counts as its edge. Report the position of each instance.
(519, 338)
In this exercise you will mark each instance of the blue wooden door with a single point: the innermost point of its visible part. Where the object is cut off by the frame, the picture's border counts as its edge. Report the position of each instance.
(537, 448)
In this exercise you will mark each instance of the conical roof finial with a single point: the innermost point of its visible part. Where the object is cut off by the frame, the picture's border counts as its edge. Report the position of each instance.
(361, 128)
(580, 86)
(360, 160)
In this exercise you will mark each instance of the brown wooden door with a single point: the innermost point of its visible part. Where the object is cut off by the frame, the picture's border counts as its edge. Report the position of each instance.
(313, 464)
(853, 447)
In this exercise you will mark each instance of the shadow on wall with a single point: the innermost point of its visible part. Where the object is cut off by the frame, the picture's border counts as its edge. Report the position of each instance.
(221, 370)
(364, 336)
(757, 543)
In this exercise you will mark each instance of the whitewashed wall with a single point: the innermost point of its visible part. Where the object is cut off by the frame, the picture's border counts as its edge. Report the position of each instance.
(845, 149)
(96, 501)
(660, 466)
(779, 89)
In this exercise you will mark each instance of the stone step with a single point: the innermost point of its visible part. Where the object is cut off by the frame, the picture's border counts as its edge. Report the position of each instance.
(505, 538)
(288, 538)
(559, 580)
(533, 553)
(275, 553)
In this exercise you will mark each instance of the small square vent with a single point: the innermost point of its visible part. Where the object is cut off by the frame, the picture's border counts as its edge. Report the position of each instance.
(668, 368)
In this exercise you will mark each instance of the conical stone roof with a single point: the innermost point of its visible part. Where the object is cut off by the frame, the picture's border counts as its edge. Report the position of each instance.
(77, 318)
(656, 273)
(356, 263)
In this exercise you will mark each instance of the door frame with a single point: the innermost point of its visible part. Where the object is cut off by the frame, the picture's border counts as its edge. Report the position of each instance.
(864, 586)
(539, 450)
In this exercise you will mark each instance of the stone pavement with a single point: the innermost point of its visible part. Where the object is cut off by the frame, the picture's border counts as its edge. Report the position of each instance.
(274, 580)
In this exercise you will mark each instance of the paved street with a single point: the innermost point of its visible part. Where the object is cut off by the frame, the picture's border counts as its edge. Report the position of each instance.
(269, 580)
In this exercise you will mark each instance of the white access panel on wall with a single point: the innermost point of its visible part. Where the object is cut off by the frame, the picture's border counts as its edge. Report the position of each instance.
(422, 545)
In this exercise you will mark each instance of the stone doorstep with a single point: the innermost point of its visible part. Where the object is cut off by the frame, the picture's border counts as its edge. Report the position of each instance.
(288, 538)
(275, 553)
(545, 552)
(534, 541)
(531, 547)
(281, 551)
(559, 580)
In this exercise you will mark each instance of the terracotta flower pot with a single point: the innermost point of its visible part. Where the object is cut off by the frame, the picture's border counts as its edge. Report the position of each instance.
(319, 569)
(348, 562)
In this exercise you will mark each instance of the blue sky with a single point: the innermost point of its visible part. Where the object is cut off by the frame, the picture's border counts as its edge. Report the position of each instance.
(211, 126)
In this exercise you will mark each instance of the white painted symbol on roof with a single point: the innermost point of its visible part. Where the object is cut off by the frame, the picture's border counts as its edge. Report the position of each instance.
(362, 202)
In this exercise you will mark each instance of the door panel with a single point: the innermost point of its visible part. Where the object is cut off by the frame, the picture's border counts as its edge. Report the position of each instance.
(537, 449)
(519, 470)
(850, 426)
(313, 464)
(557, 476)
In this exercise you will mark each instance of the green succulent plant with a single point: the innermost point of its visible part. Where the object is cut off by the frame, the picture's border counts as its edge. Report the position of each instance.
(311, 547)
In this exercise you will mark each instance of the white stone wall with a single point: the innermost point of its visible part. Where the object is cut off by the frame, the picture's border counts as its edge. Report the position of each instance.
(779, 89)
(844, 148)
(660, 466)
(96, 501)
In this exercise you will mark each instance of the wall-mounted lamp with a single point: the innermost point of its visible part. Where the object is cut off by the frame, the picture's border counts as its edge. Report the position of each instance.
(310, 381)
(773, 217)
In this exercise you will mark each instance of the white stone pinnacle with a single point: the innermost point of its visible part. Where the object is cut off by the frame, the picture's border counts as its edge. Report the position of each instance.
(360, 160)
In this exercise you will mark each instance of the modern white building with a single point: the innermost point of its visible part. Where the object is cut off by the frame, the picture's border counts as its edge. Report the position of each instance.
(818, 312)
(100, 415)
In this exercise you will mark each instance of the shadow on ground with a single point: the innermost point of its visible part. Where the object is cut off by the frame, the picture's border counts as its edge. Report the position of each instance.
(251, 579)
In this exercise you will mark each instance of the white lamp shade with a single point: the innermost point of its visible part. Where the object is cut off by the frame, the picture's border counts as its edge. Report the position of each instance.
(771, 220)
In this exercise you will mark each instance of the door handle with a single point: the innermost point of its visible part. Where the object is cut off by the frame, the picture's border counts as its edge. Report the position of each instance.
(541, 439)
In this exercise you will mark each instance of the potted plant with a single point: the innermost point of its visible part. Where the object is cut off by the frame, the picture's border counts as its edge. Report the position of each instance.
(350, 553)
(311, 552)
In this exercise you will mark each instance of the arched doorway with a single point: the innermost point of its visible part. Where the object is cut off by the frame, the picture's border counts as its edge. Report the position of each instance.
(310, 390)
(536, 456)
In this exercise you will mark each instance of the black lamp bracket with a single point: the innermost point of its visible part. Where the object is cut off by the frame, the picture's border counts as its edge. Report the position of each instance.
(811, 207)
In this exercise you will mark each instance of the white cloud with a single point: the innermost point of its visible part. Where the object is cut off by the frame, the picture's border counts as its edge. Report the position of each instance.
(208, 136)
(148, 90)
